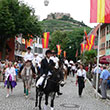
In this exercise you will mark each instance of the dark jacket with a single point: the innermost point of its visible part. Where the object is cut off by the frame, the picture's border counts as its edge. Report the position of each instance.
(46, 67)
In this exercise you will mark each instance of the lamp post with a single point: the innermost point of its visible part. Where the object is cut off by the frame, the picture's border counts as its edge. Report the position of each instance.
(46, 2)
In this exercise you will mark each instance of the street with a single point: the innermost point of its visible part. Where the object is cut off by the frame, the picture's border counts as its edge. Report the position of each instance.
(68, 101)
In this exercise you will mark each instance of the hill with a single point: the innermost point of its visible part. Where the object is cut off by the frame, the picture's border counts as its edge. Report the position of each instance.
(62, 22)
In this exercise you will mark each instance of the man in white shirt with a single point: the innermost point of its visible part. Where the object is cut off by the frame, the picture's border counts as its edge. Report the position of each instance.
(55, 59)
(28, 56)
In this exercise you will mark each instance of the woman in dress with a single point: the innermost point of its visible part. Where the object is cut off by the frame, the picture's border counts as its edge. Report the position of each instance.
(81, 79)
(10, 78)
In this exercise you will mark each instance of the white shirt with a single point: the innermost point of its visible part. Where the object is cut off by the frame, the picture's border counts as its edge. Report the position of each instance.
(28, 56)
(10, 71)
(73, 68)
(81, 73)
(66, 62)
(48, 59)
(55, 60)
(37, 60)
(95, 70)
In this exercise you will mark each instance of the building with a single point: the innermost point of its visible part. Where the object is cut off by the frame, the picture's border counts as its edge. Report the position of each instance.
(37, 47)
(20, 49)
(105, 40)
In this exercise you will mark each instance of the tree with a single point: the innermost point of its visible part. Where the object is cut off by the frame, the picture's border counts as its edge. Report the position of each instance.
(88, 58)
(68, 39)
(16, 18)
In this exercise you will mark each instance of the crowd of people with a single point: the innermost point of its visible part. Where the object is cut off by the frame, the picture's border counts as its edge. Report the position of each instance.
(103, 79)
(9, 71)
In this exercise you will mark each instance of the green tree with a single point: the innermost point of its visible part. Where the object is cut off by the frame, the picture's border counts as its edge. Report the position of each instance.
(16, 18)
(88, 58)
(68, 39)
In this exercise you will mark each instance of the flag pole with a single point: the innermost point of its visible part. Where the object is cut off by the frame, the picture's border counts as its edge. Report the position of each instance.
(97, 78)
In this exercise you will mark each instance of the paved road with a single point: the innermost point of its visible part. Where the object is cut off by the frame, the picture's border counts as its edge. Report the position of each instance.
(68, 101)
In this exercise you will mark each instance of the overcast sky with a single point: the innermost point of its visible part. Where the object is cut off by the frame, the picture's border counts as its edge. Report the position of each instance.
(79, 9)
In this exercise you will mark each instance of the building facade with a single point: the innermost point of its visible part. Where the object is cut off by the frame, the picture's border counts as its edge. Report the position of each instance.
(105, 40)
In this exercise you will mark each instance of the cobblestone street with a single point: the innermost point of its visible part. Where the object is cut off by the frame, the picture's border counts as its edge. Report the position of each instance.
(68, 101)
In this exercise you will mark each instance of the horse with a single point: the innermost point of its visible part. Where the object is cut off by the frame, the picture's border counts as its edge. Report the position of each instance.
(27, 76)
(50, 89)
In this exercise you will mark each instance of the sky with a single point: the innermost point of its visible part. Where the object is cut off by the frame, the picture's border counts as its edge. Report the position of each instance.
(79, 9)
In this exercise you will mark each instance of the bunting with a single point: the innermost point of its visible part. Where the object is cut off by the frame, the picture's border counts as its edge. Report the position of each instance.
(45, 40)
(100, 11)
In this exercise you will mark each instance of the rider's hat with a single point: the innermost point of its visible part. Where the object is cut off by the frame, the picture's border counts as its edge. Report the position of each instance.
(28, 48)
(48, 52)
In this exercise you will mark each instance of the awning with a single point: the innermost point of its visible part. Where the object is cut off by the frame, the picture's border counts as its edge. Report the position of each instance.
(105, 59)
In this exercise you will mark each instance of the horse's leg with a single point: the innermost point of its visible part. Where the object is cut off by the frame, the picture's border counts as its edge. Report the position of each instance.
(52, 101)
(40, 99)
(27, 87)
(46, 101)
(36, 98)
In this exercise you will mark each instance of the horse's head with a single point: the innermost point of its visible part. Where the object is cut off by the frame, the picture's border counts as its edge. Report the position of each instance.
(57, 76)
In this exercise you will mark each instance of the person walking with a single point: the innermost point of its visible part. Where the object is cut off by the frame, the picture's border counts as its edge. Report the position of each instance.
(10, 78)
(81, 79)
(95, 70)
(103, 82)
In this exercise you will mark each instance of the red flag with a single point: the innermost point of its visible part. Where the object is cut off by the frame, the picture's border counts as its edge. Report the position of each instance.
(45, 40)
(59, 49)
(82, 47)
(92, 39)
(100, 11)
(87, 40)
(76, 53)
(64, 54)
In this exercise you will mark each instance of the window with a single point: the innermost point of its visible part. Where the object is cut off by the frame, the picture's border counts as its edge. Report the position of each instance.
(40, 41)
(107, 44)
(38, 50)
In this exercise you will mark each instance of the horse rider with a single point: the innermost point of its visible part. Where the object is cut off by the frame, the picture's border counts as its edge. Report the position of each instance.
(46, 69)
(28, 57)
(28, 71)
